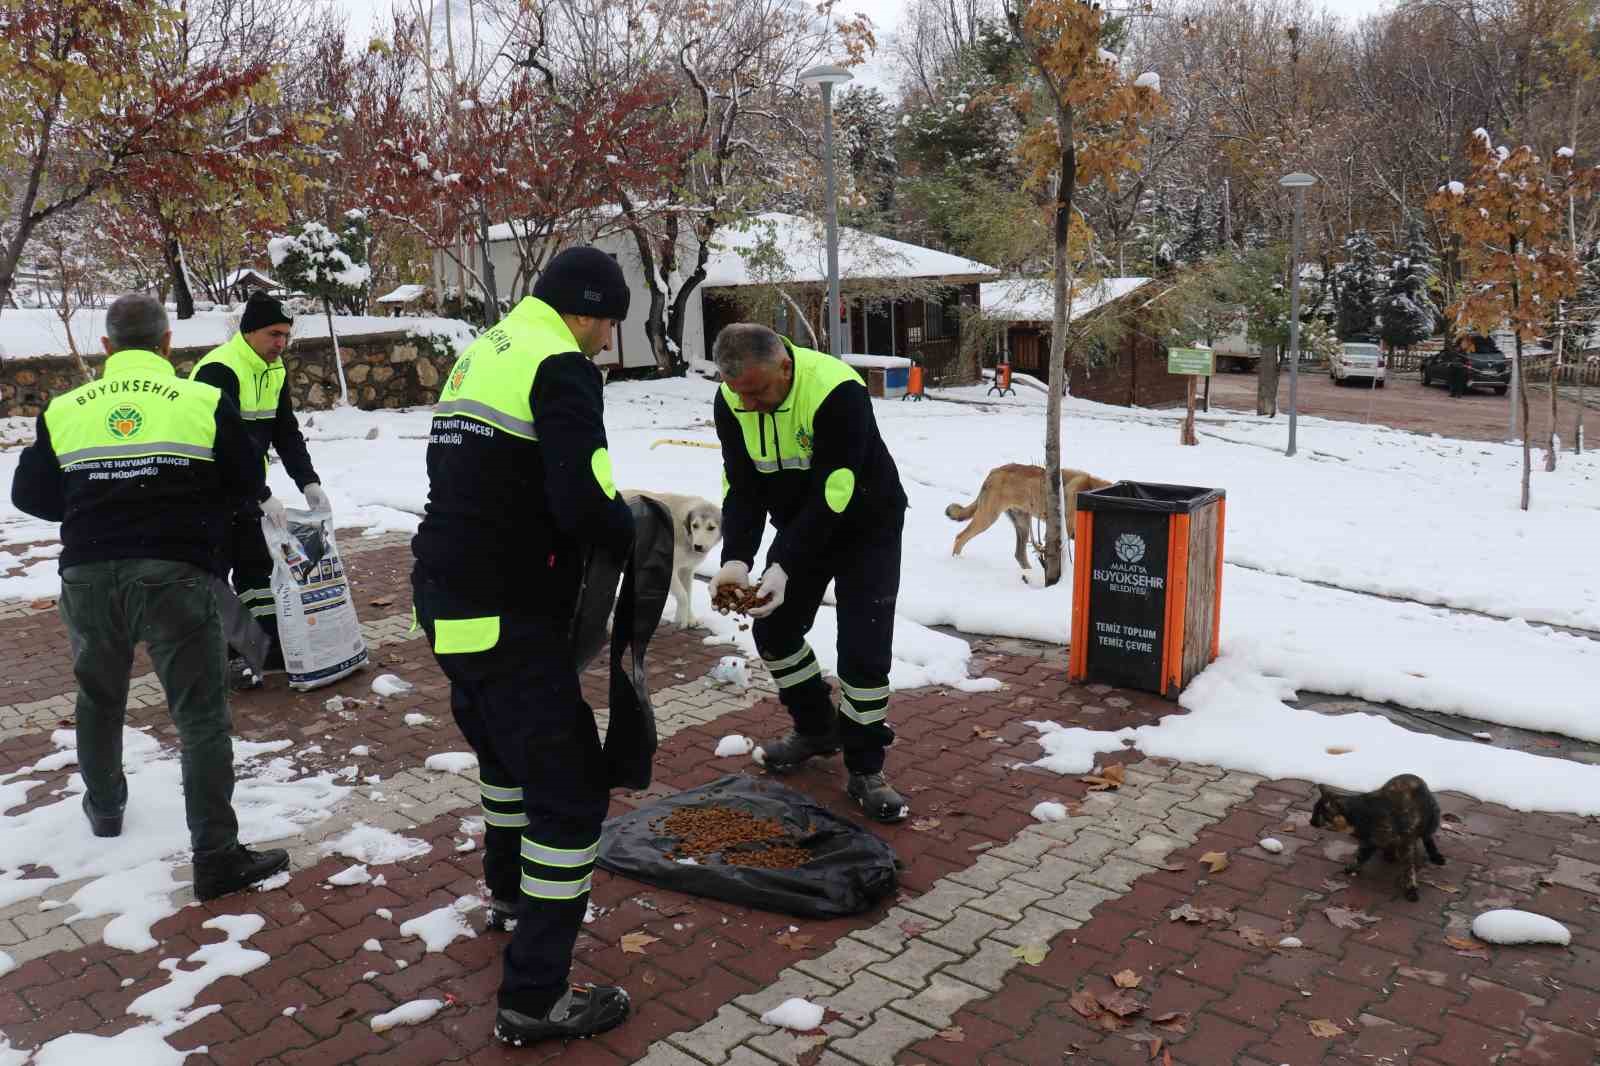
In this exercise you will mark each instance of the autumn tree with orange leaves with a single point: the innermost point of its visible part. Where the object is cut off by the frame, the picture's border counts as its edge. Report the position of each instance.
(1509, 219)
(1090, 131)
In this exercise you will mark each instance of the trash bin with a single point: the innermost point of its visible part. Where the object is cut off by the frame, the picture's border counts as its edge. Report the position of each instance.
(1146, 585)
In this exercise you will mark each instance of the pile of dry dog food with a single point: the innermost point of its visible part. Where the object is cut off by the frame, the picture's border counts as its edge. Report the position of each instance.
(731, 600)
(741, 838)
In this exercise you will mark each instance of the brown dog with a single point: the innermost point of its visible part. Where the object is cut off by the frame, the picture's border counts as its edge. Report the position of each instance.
(1017, 490)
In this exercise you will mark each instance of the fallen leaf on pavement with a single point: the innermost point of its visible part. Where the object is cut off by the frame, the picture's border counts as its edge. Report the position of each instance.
(794, 941)
(1104, 778)
(911, 928)
(1441, 886)
(1126, 979)
(1345, 918)
(1324, 1028)
(953, 1034)
(1174, 867)
(1120, 1003)
(1194, 915)
(1032, 954)
(648, 978)
(635, 943)
(922, 825)
(1155, 1048)
(1173, 1021)
(42, 605)
(382, 601)
(1340, 751)
(1166, 1057)
(1216, 860)
(1255, 937)
(1463, 943)
(984, 734)
(1085, 1003)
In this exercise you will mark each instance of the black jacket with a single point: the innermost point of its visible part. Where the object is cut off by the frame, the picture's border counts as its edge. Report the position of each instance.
(508, 519)
(282, 434)
(175, 511)
(845, 437)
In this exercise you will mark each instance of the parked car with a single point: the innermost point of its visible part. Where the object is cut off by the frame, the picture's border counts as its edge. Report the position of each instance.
(1487, 365)
(1359, 362)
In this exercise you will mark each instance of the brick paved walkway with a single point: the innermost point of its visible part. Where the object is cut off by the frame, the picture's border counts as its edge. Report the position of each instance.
(999, 923)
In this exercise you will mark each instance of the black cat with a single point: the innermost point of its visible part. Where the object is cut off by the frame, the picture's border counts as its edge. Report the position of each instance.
(1393, 818)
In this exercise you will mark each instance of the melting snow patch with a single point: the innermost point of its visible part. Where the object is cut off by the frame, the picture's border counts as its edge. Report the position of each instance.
(1072, 750)
(414, 1013)
(390, 685)
(417, 719)
(1291, 942)
(374, 846)
(224, 959)
(731, 670)
(1519, 927)
(371, 944)
(361, 751)
(1050, 812)
(1271, 844)
(385, 913)
(7, 964)
(277, 880)
(440, 928)
(796, 1014)
(734, 744)
(453, 762)
(143, 1045)
(351, 875)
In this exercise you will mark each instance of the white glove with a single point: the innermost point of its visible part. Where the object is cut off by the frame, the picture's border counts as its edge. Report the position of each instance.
(317, 497)
(733, 574)
(272, 511)
(773, 582)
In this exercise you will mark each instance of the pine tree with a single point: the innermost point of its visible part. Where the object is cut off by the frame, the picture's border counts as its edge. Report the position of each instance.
(1407, 308)
(1200, 231)
(329, 266)
(1358, 283)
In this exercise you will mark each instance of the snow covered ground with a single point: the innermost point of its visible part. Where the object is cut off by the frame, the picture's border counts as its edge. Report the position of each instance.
(1381, 516)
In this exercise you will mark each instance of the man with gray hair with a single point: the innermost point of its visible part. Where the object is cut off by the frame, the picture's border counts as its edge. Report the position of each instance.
(800, 443)
(144, 470)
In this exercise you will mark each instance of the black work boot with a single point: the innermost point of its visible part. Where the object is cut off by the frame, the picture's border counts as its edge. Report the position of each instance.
(792, 749)
(878, 798)
(236, 868)
(502, 916)
(102, 825)
(582, 1012)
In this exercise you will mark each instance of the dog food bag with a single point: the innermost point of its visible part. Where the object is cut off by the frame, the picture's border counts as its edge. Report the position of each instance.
(317, 623)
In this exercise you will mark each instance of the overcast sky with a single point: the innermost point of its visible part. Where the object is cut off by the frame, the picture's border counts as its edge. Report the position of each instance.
(884, 13)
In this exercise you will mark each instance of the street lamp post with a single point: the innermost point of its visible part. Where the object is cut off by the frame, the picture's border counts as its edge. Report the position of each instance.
(1299, 182)
(825, 78)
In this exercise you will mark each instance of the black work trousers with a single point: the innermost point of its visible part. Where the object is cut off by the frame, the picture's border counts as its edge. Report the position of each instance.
(250, 569)
(866, 579)
(543, 783)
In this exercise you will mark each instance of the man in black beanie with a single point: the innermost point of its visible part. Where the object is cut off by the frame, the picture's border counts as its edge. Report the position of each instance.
(249, 370)
(519, 488)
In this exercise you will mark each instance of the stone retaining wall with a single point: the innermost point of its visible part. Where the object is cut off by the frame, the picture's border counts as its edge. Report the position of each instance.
(382, 370)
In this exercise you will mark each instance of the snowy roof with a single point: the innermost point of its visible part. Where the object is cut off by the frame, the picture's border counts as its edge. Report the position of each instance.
(1032, 299)
(402, 295)
(802, 244)
(250, 274)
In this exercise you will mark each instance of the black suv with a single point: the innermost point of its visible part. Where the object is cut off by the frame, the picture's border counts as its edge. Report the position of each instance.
(1486, 364)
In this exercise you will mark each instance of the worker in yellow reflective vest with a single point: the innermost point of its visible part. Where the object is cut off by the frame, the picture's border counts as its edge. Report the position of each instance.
(249, 370)
(800, 443)
(144, 472)
(519, 488)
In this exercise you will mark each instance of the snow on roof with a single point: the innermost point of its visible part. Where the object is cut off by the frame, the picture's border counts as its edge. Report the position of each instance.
(875, 362)
(1032, 299)
(403, 294)
(252, 274)
(27, 332)
(802, 245)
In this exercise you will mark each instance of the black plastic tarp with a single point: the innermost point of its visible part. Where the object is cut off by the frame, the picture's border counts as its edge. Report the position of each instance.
(1149, 497)
(850, 869)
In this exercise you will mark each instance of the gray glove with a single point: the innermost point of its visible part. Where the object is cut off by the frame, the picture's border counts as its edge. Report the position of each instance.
(272, 511)
(317, 497)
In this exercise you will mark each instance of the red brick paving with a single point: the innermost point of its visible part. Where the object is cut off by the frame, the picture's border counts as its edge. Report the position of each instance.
(1397, 989)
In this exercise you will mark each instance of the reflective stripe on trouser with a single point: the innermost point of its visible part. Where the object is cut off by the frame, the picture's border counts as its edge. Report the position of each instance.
(791, 670)
(259, 603)
(865, 704)
(502, 806)
(555, 873)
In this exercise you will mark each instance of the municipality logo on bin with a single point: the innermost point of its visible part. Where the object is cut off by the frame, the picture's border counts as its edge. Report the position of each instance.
(124, 421)
(1130, 547)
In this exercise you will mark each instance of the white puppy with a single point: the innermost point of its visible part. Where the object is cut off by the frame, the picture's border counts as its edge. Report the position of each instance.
(697, 527)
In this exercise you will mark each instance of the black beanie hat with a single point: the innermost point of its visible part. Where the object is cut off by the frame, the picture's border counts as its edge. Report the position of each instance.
(584, 281)
(261, 311)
